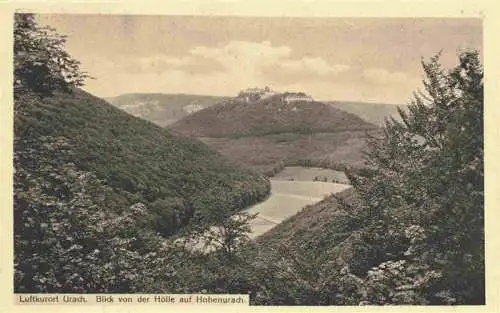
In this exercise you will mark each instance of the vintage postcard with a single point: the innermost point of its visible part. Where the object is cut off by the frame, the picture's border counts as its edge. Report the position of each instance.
(238, 156)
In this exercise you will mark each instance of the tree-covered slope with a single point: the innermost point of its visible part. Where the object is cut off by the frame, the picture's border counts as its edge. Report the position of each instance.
(176, 177)
(268, 133)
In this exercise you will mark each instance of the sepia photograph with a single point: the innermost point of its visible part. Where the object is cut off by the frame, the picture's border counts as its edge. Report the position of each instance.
(302, 161)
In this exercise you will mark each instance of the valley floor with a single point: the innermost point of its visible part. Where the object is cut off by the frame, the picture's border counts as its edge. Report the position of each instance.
(292, 190)
(287, 199)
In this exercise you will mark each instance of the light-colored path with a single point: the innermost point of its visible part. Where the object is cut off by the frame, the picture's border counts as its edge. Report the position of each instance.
(287, 199)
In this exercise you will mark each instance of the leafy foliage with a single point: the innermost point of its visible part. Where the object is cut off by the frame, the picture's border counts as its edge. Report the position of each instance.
(41, 65)
(428, 175)
(70, 233)
(225, 233)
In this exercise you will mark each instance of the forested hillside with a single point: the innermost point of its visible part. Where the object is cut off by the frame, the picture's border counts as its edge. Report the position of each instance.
(269, 133)
(143, 162)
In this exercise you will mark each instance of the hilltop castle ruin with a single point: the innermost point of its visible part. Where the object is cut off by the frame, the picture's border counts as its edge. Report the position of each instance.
(289, 97)
(255, 94)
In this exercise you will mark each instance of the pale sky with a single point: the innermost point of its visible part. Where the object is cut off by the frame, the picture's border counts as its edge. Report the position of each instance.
(351, 59)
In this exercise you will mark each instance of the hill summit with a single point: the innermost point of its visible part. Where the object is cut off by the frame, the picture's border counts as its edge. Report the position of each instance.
(258, 112)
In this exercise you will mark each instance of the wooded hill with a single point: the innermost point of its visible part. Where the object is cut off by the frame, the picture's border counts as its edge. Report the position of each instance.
(267, 134)
(272, 115)
(176, 178)
(99, 193)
